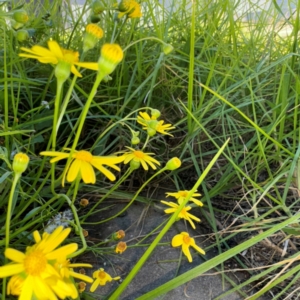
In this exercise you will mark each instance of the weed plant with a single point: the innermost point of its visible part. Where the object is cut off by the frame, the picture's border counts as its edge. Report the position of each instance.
(201, 95)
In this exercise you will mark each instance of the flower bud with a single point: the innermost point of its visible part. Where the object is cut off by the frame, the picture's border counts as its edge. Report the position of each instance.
(92, 35)
(173, 164)
(20, 16)
(84, 202)
(167, 48)
(97, 7)
(81, 286)
(20, 163)
(85, 232)
(111, 55)
(155, 113)
(152, 124)
(22, 35)
(135, 140)
(94, 19)
(118, 235)
(121, 247)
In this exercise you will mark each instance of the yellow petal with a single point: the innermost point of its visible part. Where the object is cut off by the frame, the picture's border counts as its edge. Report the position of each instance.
(87, 173)
(36, 236)
(12, 269)
(107, 173)
(63, 251)
(88, 65)
(55, 49)
(75, 71)
(14, 255)
(27, 289)
(74, 170)
(94, 285)
(186, 252)
(177, 240)
(81, 276)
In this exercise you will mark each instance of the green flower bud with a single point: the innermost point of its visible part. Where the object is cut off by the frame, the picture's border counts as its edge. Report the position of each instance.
(152, 124)
(135, 140)
(155, 113)
(167, 48)
(22, 35)
(94, 19)
(20, 163)
(20, 16)
(173, 164)
(97, 7)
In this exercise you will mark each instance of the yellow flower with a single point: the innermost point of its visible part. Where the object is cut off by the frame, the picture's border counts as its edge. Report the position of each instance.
(56, 54)
(20, 162)
(35, 267)
(181, 196)
(121, 247)
(130, 8)
(183, 213)
(151, 124)
(137, 157)
(82, 164)
(111, 55)
(101, 279)
(183, 239)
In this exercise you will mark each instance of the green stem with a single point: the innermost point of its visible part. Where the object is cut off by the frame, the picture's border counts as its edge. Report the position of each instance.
(9, 208)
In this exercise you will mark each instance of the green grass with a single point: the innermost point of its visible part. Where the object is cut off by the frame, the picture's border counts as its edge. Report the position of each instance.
(226, 78)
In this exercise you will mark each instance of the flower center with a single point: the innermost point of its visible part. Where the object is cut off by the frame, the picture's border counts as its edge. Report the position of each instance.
(35, 263)
(186, 239)
(183, 193)
(139, 154)
(101, 274)
(70, 56)
(84, 155)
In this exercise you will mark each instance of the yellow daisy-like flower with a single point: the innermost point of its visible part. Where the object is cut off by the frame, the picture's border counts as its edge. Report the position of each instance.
(181, 196)
(33, 272)
(101, 279)
(130, 8)
(152, 125)
(183, 239)
(20, 162)
(138, 157)
(56, 54)
(82, 165)
(184, 214)
(121, 247)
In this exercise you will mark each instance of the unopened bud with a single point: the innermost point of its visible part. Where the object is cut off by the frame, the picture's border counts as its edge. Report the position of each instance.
(20, 16)
(111, 56)
(22, 35)
(20, 162)
(173, 164)
(155, 113)
(167, 48)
